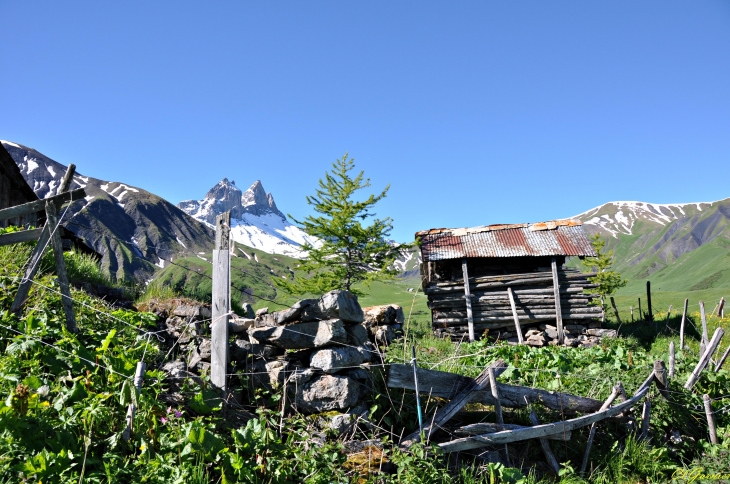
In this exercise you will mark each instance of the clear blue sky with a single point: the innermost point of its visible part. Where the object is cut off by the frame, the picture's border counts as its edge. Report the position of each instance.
(476, 112)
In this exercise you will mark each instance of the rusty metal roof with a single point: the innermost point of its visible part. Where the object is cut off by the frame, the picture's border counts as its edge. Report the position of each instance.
(559, 237)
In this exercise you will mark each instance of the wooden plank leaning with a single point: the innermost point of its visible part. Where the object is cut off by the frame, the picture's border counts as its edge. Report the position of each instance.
(549, 456)
(489, 428)
(705, 358)
(457, 403)
(34, 262)
(66, 300)
(681, 326)
(518, 329)
(705, 338)
(446, 385)
(558, 310)
(543, 430)
(467, 298)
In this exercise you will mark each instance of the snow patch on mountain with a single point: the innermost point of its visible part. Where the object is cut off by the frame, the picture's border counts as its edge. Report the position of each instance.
(255, 219)
(620, 217)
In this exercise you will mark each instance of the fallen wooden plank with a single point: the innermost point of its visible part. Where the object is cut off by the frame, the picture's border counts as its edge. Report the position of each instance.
(540, 431)
(489, 428)
(549, 456)
(447, 385)
(592, 434)
(22, 236)
(705, 358)
(457, 403)
(38, 205)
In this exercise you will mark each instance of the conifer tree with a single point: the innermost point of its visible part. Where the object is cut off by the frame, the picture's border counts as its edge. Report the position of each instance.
(350, 251)
(608, 281)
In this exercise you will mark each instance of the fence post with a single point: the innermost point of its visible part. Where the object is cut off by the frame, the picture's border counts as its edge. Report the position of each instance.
(705, 336)
(710, 418)
(221, 306)
(650, 316)
(558, 309)
(681, 326)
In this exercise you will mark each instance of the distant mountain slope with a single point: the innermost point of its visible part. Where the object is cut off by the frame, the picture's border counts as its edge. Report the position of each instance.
(150, 226)
(255, 219)
(679, 247)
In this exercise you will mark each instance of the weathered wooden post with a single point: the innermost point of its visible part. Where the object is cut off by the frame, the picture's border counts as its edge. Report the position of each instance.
(705, 337)
(558, 310)
(518, 328)
(710, 418)
(631, 308)
(649, 315)
(681, 325)
(721, 308)
(722, 359)
(467, 296)
(549, 456)
(641, 313)
(221, 306)
(616, 389)
(645, 418)
(66, 301)
(497, 405)
(705, 358)
(671, 359)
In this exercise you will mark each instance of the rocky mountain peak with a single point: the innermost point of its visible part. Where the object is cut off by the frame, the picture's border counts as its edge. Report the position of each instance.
(225, 196)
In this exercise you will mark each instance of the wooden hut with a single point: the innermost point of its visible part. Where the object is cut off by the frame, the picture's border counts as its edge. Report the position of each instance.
(15, 191)
(516, 279)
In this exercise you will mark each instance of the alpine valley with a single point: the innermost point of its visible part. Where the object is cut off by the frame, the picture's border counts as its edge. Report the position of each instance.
(140, 236)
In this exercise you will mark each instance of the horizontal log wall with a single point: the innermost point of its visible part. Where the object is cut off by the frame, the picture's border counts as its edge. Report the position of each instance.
(533, 294)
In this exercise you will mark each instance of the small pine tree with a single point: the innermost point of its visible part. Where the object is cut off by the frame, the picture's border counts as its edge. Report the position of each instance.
(608, 281)
(349, 251)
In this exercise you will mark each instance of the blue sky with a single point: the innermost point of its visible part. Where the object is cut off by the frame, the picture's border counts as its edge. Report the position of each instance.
(475, 112)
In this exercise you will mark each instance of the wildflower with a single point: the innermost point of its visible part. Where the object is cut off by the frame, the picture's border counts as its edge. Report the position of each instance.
(178, 413)
(163, 420)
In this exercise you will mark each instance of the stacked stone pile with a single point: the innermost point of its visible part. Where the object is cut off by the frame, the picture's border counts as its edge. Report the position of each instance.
(320, 349)
(586, 335)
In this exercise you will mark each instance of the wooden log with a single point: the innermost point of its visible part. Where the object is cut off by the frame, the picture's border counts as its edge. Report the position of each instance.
(489, 428)
(650, 316)
(506, 313)
(502, 322)
(660, 377)
(445, 413)
(467, 297)
(62, 276)
(645, 419)
(564, 274)
(671, 359)
(30, 270)
(721, 309)
(710, 418)
(594, 425)
(67, 179)
(681, 325)
(495, 395)
(722, 359)
(615, 310)
(641, 313)
(558, 310)
(518, 329)
(221, 304)
(22, 236)
(705, 358)
(39, 205)
(549, 456)
(703, 342)
(447, 385)
(503, 285)
(543, 430)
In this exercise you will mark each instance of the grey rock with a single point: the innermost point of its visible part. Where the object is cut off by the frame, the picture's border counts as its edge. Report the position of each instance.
(301, 335)
(262, 311)
(532, 332)
(239, 325)
(239, 350)
(603, 333)
(295, 312)
(198, 365)
(270, 374)
(204, 349)
(384, 335)
(265, 351)
(176, 371)
(327, 392)
(578, 328)
(330, 360)
(536, 340)
(551, 332)
(248, 311)
(357, 334)
(339, 304)
(192, 311)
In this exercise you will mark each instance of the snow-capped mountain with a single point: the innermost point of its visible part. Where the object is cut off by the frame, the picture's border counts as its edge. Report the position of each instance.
(131, 228)
(621, 217)
(255, 219)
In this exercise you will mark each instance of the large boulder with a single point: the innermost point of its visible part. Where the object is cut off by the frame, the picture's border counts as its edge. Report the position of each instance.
(322, 393)
(192, 311)
(295, 312)
(339, 304)
(357, 334)
(301, 335)
(330, 360)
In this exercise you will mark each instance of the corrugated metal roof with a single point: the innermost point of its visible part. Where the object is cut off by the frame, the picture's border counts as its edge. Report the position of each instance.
(561, 237)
